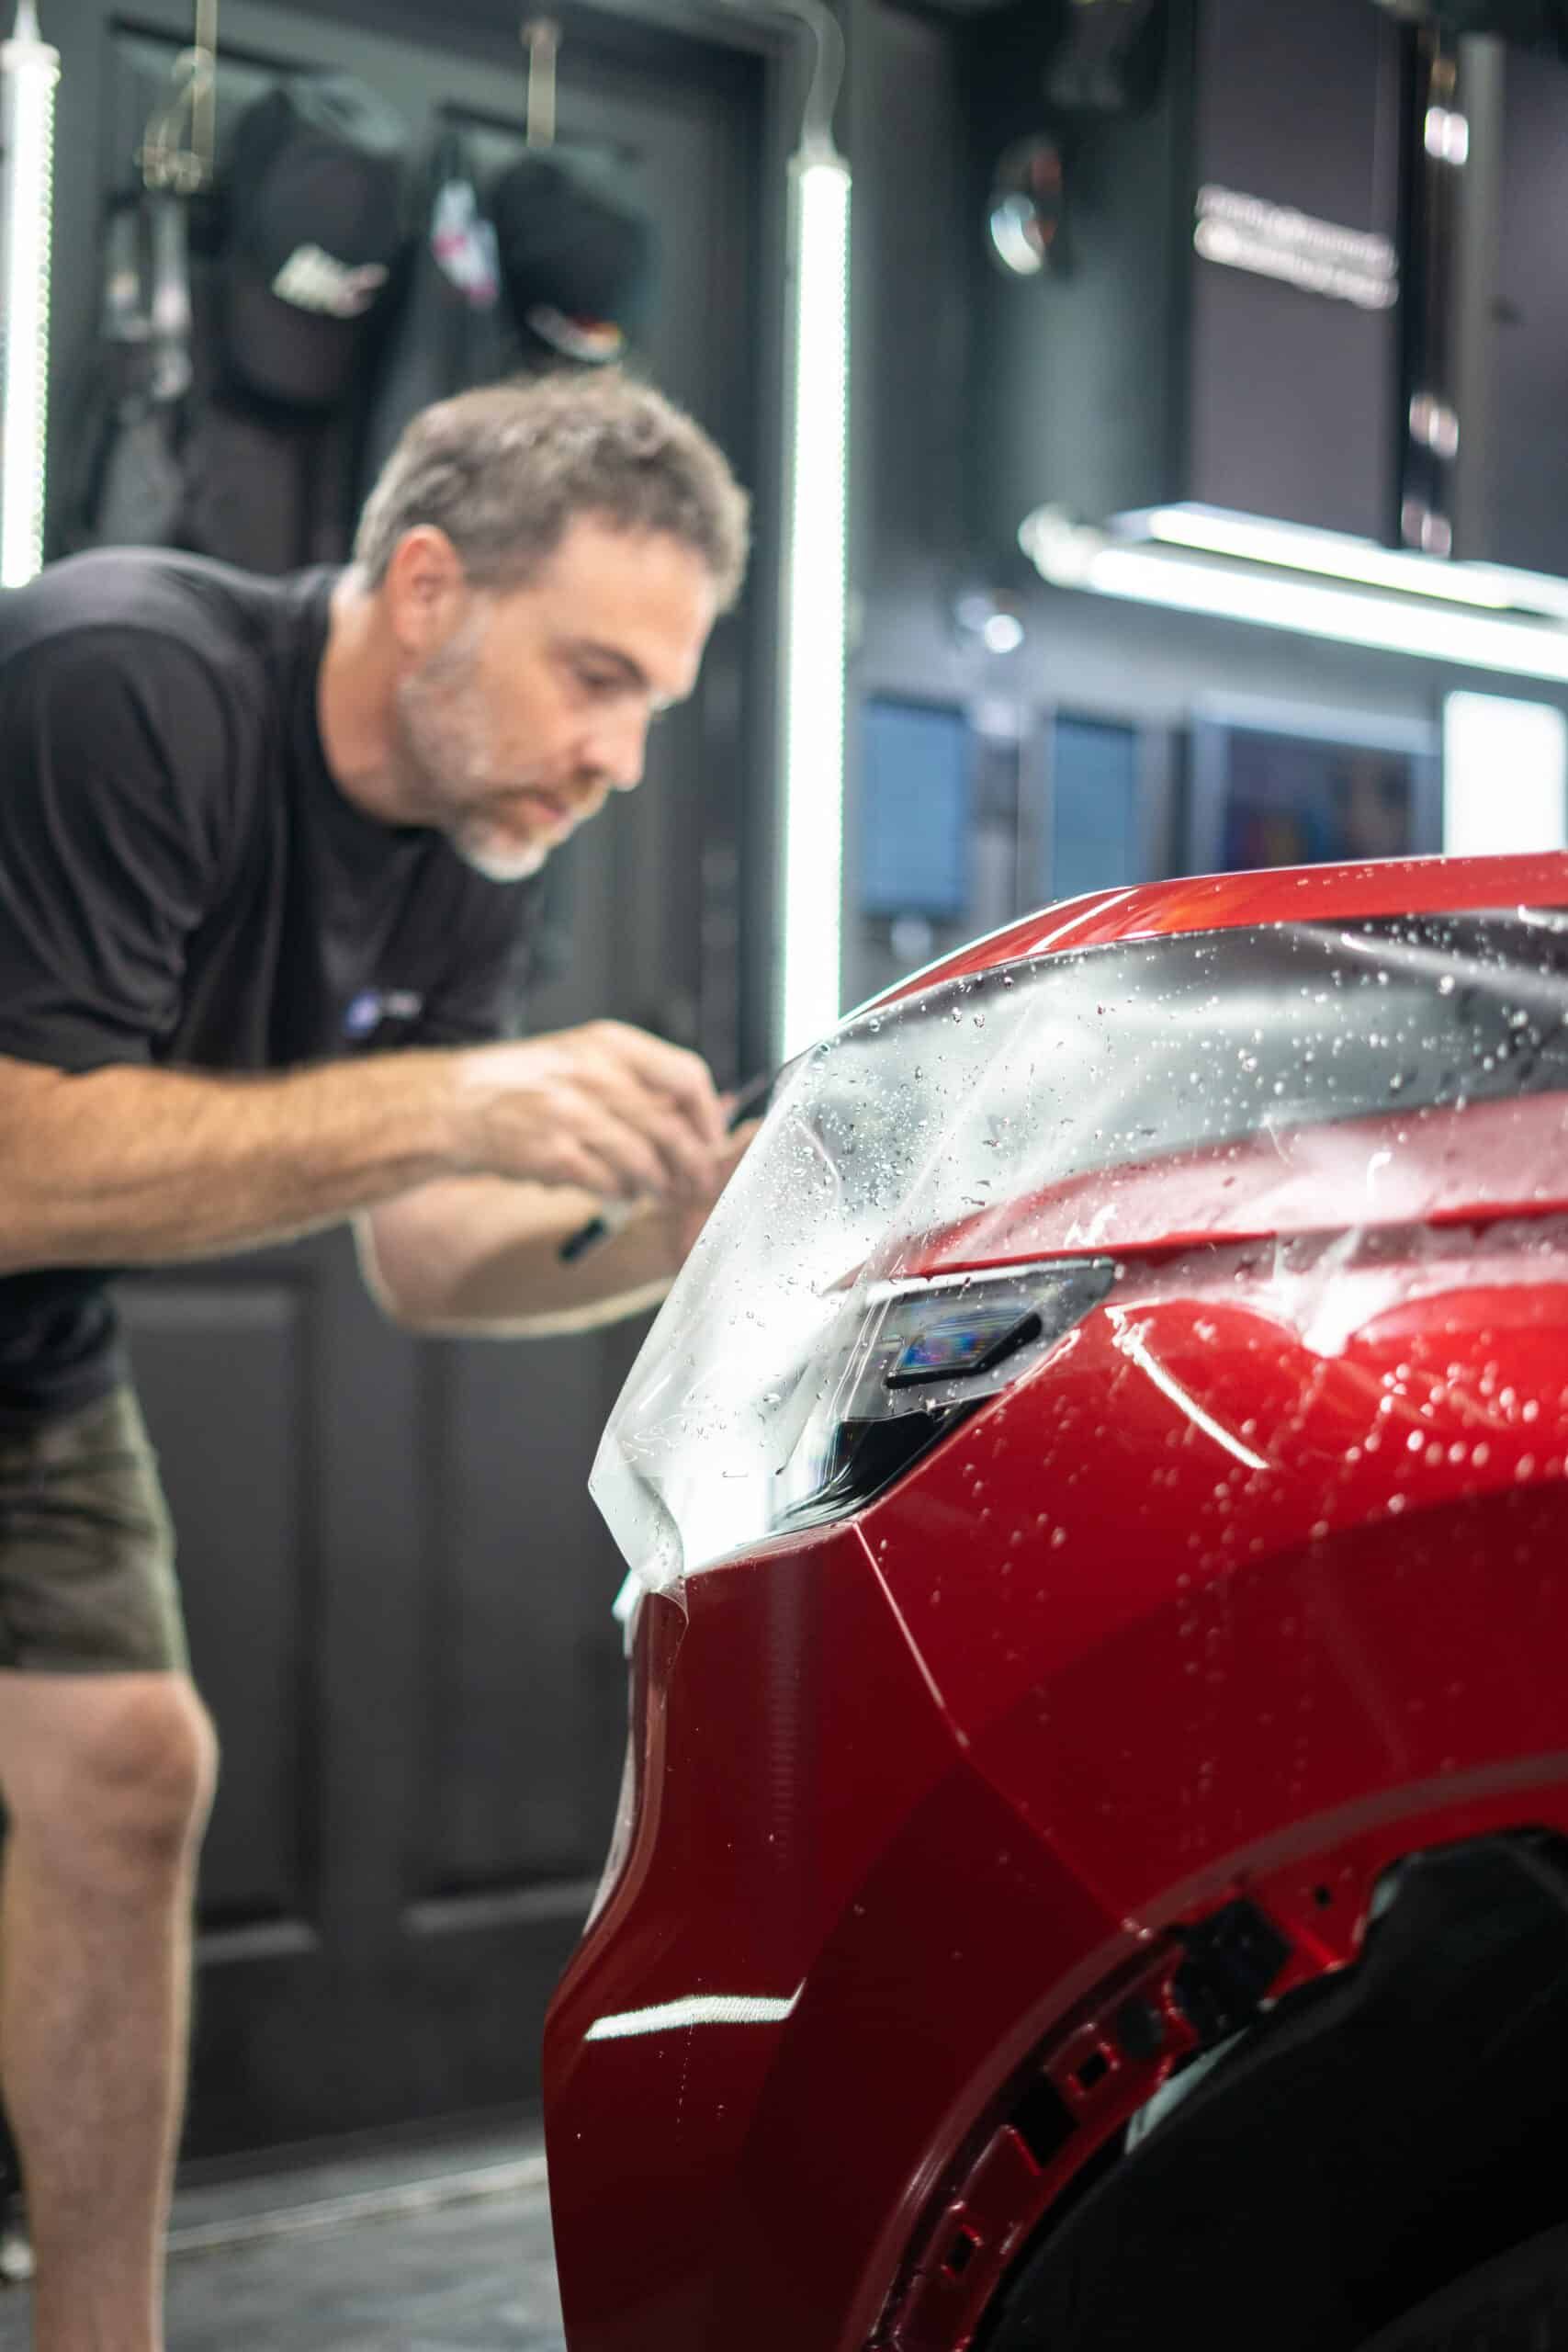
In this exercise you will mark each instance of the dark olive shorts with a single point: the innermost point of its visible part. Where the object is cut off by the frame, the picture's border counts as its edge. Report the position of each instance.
(86, 1550)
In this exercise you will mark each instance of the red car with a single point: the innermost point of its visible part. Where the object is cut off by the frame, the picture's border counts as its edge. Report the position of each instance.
(1093, 1867)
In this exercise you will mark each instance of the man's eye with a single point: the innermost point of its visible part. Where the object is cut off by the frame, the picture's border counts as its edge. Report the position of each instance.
(598, 682)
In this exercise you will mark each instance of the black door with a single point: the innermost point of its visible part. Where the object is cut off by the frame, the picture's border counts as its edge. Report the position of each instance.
(397, 1590)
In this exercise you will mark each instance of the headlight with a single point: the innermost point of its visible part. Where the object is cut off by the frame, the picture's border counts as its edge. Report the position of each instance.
(898, 1366)
(801, 1362)
(924, 1356)
(994, 1123)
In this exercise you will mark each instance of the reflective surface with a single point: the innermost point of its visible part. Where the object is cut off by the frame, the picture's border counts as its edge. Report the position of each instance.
(1233, 1081)
(1250, 1586)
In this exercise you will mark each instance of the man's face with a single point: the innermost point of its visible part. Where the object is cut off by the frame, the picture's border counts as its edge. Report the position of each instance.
(537, 706)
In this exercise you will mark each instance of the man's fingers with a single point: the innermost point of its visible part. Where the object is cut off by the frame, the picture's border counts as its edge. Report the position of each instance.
(643, 1115)
(637, 1166)
(645, 1130)
(670, 1070)
(686, 1158)
(666, 1094)
(652, 1148)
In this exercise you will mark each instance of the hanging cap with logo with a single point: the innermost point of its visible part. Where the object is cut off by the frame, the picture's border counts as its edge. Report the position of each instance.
(317, 184)
(576, 263)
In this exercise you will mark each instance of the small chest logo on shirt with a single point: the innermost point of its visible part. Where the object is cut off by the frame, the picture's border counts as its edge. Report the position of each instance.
(367, 1011)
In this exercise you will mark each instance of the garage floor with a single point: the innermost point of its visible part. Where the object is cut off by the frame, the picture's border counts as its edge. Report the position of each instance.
(420, 2250)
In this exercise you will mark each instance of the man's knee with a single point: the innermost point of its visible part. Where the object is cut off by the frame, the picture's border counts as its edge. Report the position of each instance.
(124, 1776)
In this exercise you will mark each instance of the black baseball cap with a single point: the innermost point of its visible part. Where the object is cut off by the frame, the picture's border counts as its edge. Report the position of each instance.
(317, 187)
(576, 260)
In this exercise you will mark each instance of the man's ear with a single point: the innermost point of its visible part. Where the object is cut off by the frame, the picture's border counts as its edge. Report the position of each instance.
(425, 591)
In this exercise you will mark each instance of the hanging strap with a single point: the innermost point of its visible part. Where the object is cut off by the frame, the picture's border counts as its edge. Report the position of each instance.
(146, 290)
(169, 311)
(540, 37)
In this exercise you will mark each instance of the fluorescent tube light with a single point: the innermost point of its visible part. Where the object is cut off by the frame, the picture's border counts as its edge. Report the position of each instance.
(29, 69)
(1525, 592)
(812, 784)
(1334, 555)
(1432, 628)
(1505, 776)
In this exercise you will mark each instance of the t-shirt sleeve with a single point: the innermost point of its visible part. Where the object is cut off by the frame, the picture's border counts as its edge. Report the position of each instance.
(115, 757)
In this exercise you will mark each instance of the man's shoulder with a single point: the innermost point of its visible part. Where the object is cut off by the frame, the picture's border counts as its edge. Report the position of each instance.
(190, 671)
(147, 598)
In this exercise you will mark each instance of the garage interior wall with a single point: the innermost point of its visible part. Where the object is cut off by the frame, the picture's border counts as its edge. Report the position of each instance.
(399, 1591)
(917, 349)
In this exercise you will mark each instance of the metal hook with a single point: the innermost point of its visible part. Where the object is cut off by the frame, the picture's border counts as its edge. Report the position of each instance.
(166, 160)
(540, 37)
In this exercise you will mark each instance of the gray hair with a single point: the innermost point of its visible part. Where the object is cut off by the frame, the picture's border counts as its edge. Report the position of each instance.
(504, 470)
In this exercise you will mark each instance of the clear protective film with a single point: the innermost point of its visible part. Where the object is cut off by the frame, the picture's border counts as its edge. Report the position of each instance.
(944, 1186)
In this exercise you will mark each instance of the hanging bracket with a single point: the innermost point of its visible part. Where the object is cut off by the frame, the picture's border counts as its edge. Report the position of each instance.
(178, 147)
(540, 37)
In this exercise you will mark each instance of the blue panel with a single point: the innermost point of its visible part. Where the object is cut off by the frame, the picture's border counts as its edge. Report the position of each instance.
(914, 802)
(1094, 842)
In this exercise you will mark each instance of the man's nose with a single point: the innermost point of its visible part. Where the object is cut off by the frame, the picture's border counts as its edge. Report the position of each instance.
(616, 752)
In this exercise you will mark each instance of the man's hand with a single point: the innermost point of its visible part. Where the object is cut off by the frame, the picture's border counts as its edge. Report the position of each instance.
(482, 1253)
(605, 1107)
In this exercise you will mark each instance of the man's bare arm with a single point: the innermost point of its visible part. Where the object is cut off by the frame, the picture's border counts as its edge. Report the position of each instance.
(476, 1256)
(126, 1165)
(130, 1166)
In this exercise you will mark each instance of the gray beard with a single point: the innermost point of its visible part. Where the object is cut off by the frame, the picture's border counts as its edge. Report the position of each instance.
(505, 865)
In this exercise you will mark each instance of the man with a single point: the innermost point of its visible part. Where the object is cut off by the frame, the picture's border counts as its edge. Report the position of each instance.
(251, 832)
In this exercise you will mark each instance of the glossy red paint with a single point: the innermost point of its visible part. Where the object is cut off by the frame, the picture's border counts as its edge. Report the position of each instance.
(1247, 1587)
(1444, 1168)
(1393, 885)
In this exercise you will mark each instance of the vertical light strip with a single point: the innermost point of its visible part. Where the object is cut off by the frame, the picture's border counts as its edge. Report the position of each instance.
(1505, 776)
(28, 71)
(812, 778)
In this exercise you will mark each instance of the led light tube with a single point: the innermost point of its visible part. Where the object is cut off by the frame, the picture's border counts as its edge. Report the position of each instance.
(1430, 628)
(812, 766)
(1330, 555)
(29, 69)
(1336, 556)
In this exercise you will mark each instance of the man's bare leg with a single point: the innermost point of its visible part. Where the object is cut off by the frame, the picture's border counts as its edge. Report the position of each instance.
(107, 1778)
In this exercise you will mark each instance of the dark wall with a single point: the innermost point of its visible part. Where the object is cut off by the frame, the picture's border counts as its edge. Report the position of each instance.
(911, 317)
(920, 274)
(1079, 393)
(1515, 321)
(1295, 400)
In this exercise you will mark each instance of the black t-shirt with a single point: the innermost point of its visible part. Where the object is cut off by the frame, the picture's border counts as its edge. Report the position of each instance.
(183, 883)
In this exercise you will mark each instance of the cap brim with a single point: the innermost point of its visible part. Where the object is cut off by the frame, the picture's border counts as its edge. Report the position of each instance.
(592, 342)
